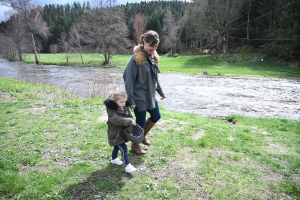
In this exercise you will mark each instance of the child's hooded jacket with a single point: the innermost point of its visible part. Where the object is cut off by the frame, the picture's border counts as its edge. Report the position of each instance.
(117, 120)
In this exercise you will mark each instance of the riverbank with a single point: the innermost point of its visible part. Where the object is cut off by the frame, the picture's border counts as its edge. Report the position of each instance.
(54, 146)
(207, 96)
(235, 64)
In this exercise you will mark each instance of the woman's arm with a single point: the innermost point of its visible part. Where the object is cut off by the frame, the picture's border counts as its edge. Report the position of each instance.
(129, 77)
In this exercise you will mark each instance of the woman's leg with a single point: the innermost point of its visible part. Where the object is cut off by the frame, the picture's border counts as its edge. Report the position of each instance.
(140, 118)
(124, 153)
(154, 114)
(154, 117)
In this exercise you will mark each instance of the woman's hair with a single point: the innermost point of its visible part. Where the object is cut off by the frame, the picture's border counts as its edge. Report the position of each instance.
(150, 37)
(117, 95)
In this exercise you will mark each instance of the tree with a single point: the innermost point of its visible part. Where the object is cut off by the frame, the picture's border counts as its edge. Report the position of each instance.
(60, 19)
(223, 13)
(169, 33)
(31, 17)
(194, 28)
(284, 33)
(76, 40)
(65, 46)
(8, 47)
(139, 27)
(53, 48)
(11, 39)
(104, 32)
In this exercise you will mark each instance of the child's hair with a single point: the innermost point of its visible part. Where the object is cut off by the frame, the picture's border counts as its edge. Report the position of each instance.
(150, 37)
(116, 95)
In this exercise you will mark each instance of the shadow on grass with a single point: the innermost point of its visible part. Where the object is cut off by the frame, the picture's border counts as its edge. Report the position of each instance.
(104, 183)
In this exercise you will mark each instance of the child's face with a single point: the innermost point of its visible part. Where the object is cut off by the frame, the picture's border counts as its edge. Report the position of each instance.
(121, 103)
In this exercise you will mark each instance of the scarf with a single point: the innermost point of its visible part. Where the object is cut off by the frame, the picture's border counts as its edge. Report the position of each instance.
(154, 68)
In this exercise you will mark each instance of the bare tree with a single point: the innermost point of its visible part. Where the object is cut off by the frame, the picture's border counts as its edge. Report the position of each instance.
(53, 48)
(169, 33)
(65, 47)
(76, 39)
(105, 32)
(223, 12)
(31, 17)
(104, 3)
(11, 39)
(8, 47)
(139, 27)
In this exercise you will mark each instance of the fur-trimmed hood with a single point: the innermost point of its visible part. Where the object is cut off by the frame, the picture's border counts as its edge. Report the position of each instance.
(140, 58)
(113, 105)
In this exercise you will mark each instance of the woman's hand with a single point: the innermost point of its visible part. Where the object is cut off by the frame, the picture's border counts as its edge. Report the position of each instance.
(133, 106)
(163, 97)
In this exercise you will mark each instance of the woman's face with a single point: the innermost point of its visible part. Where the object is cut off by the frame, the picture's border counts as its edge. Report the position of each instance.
(150, 48)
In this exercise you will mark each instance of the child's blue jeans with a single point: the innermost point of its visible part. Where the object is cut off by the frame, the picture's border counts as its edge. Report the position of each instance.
(124, 154)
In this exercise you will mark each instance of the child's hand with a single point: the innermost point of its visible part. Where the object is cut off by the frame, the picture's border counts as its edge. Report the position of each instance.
(133, 123)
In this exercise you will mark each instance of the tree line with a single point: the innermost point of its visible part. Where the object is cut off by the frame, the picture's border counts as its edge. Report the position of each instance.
(198, 27)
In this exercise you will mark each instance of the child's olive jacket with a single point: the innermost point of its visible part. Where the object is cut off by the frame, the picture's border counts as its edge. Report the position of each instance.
(117, 121)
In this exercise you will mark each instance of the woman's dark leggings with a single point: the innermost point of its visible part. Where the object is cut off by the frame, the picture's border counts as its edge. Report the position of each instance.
(140, 117)
(124, 154)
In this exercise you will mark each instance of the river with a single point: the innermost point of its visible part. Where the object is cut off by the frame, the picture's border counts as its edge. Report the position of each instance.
(214, 97)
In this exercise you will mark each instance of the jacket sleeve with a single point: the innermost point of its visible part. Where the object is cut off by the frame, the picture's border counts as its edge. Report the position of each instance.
(117, 120)
(129, 77)
(159, 89)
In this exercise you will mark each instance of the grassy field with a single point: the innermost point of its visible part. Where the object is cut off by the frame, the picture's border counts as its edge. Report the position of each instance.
(214, 65)
(54, 146)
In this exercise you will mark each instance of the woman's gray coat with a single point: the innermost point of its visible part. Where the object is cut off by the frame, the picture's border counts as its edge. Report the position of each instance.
(139, 84)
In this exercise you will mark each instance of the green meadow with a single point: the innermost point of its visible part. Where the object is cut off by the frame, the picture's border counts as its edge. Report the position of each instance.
(54, 144)
(247, 64)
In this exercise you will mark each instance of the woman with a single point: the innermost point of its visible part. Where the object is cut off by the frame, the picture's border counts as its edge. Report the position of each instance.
(141, 84)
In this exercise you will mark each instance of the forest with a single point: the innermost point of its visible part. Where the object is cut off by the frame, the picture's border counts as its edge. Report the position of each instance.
(198, 27)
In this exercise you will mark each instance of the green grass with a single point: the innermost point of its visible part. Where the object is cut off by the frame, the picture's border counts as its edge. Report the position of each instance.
(215, 65)
(54, 146)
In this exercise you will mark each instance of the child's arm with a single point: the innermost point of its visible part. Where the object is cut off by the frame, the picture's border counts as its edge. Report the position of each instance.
(117, 120)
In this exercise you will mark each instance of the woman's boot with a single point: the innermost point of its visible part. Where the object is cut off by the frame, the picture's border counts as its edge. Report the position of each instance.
(137, 148)
(147, 127)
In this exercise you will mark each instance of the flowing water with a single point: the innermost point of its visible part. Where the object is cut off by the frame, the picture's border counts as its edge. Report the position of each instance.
(215, 97)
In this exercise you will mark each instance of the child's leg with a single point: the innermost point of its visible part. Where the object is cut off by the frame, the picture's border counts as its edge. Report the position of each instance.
(124, 153)
(115, 151)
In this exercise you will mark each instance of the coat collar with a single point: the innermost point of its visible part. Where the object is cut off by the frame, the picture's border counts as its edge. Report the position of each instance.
(140, 57)
(110, 104)
(113, 105)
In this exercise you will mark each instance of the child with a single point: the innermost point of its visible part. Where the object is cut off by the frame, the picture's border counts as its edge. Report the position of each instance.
(119, 117)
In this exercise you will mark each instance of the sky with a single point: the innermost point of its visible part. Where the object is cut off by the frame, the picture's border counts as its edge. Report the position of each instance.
(43, 2)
